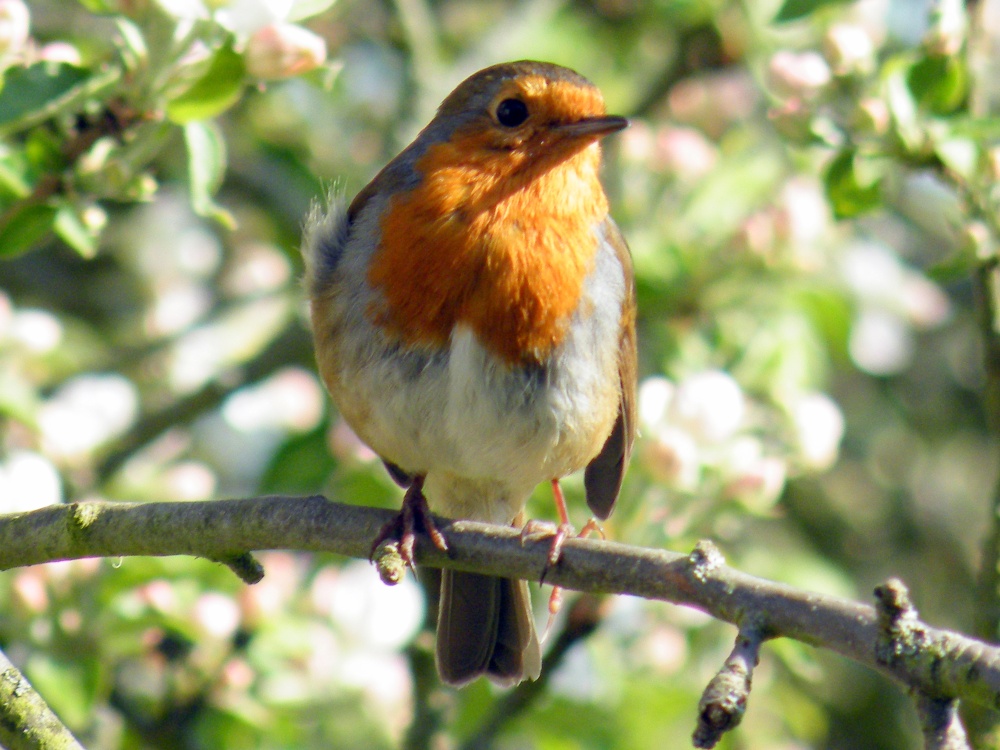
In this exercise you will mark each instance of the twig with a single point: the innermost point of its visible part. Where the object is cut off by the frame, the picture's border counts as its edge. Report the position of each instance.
(940, 723)
(988, 595)
(946, 664)
(724, 701)
(26, 722)
(428, 711)
(901, 634)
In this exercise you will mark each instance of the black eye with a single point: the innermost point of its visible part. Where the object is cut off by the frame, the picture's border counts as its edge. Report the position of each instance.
(512, 112)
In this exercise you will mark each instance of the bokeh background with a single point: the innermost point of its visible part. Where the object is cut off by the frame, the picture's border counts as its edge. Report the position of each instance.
(808, 192)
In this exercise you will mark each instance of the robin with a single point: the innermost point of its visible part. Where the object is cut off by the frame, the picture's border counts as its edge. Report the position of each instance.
(473, 310)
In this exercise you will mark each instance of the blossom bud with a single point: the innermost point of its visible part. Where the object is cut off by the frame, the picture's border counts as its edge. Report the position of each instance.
(793, 119)
(872, 115)
(798, 74)
(60, 52)
(849, 49)
(752, 477)
(283, 50)
(14, 25)
(709, 405)
(819, 427)
(947, 30)
(685, 152)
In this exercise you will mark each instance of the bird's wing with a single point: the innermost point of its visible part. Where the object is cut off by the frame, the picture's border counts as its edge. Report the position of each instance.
(603, 476)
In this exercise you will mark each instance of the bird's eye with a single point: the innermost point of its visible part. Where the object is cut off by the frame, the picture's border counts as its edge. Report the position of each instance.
(512, 112)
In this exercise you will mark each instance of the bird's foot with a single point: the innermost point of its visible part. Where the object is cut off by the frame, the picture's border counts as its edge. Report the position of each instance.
(535, 530)
(414, 516)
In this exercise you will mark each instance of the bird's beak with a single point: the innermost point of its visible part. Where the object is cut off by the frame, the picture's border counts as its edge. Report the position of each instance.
(592, 127)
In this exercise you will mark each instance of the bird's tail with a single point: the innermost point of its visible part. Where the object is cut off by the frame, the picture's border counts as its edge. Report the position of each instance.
(485, 627)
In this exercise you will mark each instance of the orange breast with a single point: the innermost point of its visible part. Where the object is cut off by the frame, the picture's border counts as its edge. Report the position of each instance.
(497, 242)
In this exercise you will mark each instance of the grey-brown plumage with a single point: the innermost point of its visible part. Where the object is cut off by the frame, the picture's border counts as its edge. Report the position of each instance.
(474, 316)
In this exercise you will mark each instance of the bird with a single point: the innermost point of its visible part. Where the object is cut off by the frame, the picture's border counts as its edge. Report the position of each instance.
(474, 320)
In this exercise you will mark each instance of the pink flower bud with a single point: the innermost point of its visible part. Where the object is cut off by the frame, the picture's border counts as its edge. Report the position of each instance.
(60, 52)
(283, 50)
(873, 115)
(798, 74)
(685, 152)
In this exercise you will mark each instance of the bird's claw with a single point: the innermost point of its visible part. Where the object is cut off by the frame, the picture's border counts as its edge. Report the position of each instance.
(414, 516)
(535, 530)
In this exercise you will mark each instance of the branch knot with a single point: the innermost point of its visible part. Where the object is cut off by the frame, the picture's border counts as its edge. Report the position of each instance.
(705, 559)
(901, 634)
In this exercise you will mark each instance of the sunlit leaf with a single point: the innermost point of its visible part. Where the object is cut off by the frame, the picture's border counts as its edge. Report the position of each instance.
(74, 232)
(101, 6)
(303, 9)
(42, 91)
(961, 155)
(939, 83)
(979, 129)
(27, 90)
(215, 92)
(301, 465)
(793, 10)
(902, 105)
(829, 313)
(848, 192)
(69, 686)
(25, 228)
(206, 168)
(13, 181)
(134, 49)
(955, 267)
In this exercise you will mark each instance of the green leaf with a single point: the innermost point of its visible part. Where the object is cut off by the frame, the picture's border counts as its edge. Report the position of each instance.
(133, 46)
(301, 465)
(792, 10)
(74, 232)
(28, 90)
(303, 9)
(69, 686)
(102, 7)
(828, 311)
(979, 129)
(215, 92)
(957, 266)
(13, 180)
(850, 191)
(39, 92)
(903, 106)
(25, 228)
(43, 152)
(939, 83)
(961, 155)
(206, 168)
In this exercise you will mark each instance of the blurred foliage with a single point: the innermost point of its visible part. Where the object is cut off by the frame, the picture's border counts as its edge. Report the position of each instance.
(808, 191)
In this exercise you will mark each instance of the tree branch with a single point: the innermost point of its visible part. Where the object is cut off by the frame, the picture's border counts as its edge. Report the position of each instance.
(940, 724)
(724, 701)
(26, 721)
(931, 661)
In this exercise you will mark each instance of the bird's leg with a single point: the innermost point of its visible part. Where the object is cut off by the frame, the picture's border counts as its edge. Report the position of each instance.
(539, 529)
(414, 515)
(560, 533)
